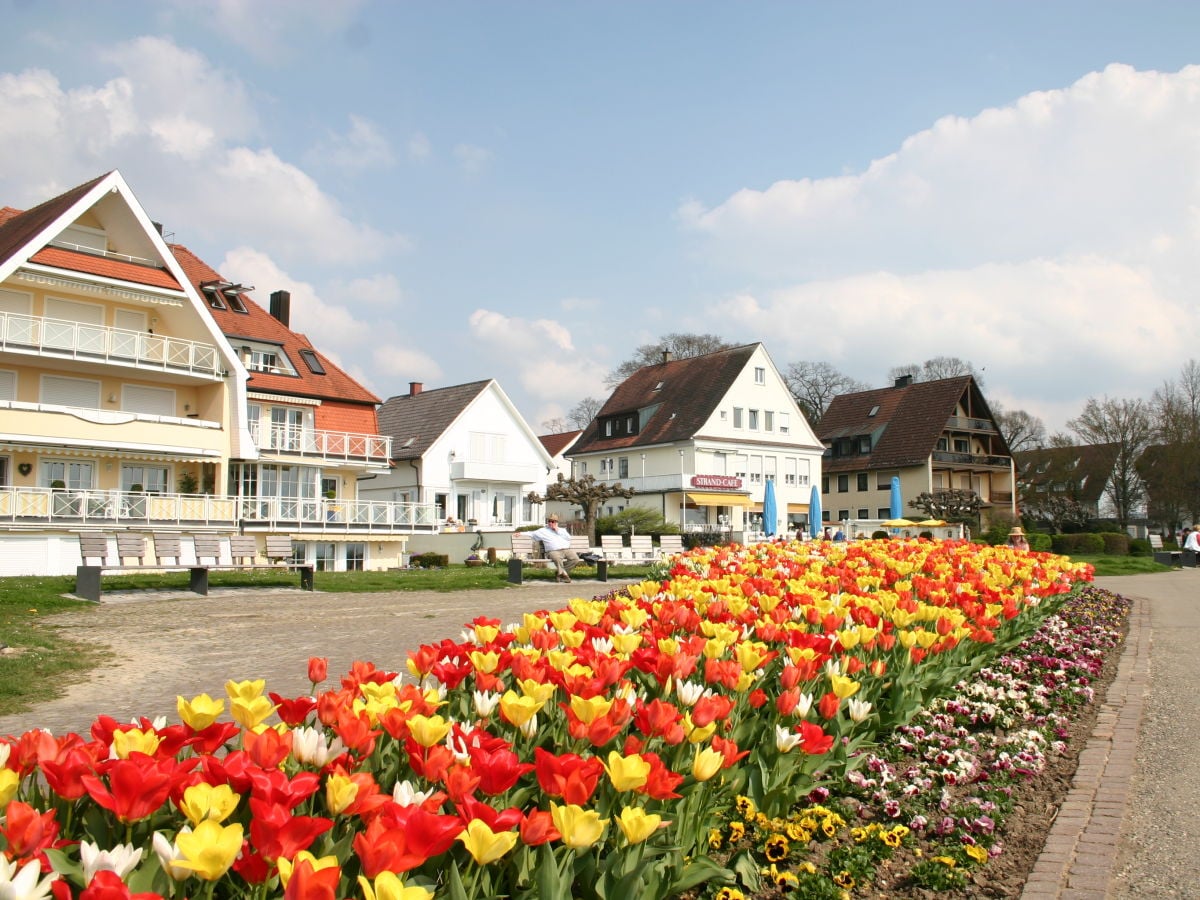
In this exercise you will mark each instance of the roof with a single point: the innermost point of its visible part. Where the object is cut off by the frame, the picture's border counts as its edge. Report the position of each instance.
(682, 392)
(1085, 467)
(257, 324)
(415, 421)
(905, 426)
(18, 228)
(557, 443)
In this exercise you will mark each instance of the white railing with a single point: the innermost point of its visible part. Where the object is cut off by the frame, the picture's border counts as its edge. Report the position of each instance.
(343, 445)
(32, 507)
(80, 340)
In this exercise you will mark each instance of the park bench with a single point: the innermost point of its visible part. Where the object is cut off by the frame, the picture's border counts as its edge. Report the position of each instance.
(528, 552)
(639, 553)
(244, 553)
(1168, 557)
(670, 544)
(130, 545)
(641, 548)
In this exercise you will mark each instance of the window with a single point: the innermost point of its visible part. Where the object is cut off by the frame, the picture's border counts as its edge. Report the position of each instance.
(760, 375)
(753, 422)
(737, 417)
(862, 482)
(263, 360)
(863, 512)
(623, 467)
(214, 298)
(137, 398)
(843, 484)
(286, 425)
(740, 464)
(942, 444)
(784, 423)
(356, 555)
(236, 304)
(789, 470)
(325, 555)
(884, 512)
(824, 515)
(606, 468)
(824, 484)
(8, 385)
(75, 476)
(843, 515)
(58, 390)
(756, 469)
(962, 445)
(873, 412)
(864, 444)
(768, 421)
(623, 425)
(310, 360)
(153, 479)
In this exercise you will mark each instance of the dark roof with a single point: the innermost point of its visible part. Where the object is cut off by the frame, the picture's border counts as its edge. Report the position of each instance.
(18, 228)
(257, 324)
(557, 443)
(906, 425)
(685, 393)
(414, 422)
(1085, 468)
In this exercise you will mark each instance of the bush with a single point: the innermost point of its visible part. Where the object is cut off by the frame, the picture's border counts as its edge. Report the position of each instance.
(430, 560)
(1141, 547)
(879, 535)
(1075, 544)
(635, 520)
(1043, 543)
(1115, 544)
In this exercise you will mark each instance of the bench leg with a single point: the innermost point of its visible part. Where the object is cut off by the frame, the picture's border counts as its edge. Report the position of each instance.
(87, 582)
(306, 578)
(602, 570)
(198, 582)
(515, 575)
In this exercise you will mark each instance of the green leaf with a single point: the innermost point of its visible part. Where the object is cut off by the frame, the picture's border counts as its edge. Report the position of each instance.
(454, 885)
(746, 870)
(699, 870)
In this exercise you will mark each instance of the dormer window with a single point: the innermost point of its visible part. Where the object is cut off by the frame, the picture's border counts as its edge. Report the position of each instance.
(625, 425)
(222, 293)
(268, 358)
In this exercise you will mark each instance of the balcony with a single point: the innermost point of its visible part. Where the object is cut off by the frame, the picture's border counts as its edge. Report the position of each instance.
(971, 459)
(964, 423)
(339, 446)
(38, 336)
(337, 516)
(512, 473)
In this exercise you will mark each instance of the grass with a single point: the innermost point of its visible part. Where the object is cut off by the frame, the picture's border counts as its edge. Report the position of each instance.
(38, 662)
(1123, 565)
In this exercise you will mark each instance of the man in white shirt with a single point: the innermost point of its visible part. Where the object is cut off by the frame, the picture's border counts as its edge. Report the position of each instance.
(557, 544)
(1191, 545)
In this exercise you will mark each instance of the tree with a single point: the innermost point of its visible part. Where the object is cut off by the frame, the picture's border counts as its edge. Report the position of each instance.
(1126, 426)
(555, 426)
(1170, 468)
(681, 346)
(585, 492)
(815, 384)
(952, 505)
(583, 412)
(935, 368)
(1020, 430)
(1055, 509)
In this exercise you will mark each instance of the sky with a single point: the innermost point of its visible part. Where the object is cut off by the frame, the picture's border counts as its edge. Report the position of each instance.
(528, 191)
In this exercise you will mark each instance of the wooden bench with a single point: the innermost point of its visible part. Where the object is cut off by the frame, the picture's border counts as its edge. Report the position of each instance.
(1167, 557)
(244, 552)
(670, 544)
(130, 545)
(639, 553)
(525, 553)
(641, 548)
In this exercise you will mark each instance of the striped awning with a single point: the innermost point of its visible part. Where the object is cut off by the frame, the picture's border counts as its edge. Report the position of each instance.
(712, 499)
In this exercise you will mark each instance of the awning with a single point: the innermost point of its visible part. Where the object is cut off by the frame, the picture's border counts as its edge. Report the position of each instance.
(797, 507)
(719, 499)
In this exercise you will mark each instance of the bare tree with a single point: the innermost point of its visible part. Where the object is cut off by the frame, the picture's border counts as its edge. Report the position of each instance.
(1020, 430)
(912, 370)
(815, 384)
(1055, 509)
(583, 412)
(1170, 468)
(555, 426)
(935, 368)
(585, 492)
(681, 346)
(952, 505)
(1127, 428)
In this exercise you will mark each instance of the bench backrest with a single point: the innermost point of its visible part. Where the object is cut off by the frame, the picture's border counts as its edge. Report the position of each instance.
(580, 543)
(670, 543)
(1156, 542)
(243, 548)
(611, 545)
(131, 545)
(641, 545)
(522, 545)
(93, 545)
(279, 548)
(208, 546)
(166, 546)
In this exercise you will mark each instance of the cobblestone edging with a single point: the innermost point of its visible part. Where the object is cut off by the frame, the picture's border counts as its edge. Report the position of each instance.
(1081, 849)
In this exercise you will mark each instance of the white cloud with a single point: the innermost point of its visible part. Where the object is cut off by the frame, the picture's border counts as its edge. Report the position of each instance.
(382, 292)
(362, 147)
(273, 30)
(472, 159)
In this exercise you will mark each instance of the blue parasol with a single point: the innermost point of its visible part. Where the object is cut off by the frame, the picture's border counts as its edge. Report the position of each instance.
(897, 509)
(814, 512)
(770, 514)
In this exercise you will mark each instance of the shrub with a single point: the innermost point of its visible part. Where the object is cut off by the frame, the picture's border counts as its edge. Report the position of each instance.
(431, 560)
(1141, 547)
(926, 534)
(1074, 544)
(1115, 544)
(879, 535)
(635, 520)
(1040, 542)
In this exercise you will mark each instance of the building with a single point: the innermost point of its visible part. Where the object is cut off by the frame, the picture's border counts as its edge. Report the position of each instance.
(126, 405)
(466, 452)
(700, 438)
(558, 446)
(1079, 474)
(932, 435)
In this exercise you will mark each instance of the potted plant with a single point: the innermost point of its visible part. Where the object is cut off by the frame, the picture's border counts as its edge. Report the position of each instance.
(187, 483)
(475, 561)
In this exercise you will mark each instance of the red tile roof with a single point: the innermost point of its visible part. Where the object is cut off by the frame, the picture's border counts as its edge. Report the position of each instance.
(106, 267)
(18, 228)
(557, 443)
(257, 324)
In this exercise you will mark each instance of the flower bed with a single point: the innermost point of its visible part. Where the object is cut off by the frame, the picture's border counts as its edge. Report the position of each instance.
(585, 752)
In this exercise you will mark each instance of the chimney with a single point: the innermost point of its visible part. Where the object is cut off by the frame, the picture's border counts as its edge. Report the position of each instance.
(158, 228)
(415, 387)
(904, 381)
(666, 357)
(281, 306)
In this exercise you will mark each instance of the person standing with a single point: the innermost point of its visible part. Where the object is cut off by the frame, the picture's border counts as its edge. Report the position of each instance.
(557, 544)
(1016, 539)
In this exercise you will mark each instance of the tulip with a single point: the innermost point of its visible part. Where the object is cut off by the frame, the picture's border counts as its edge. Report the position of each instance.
(842, 686)
(169, 855)
(858, 709)
(786, 740)
(484, 845)
(388, 886)
(250, 712)
(246, 690)
(707, 763)
(121, 859)
(210, 850)
(318, 669)
(428, 730)
(579, 828)
(340, 792)
(23, 884)
(9, 782)
(200, 712)
(205, 801)
(311, 747)
(627, 773)
(133, 741)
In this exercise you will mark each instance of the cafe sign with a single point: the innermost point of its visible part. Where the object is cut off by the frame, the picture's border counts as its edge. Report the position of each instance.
(720, 482)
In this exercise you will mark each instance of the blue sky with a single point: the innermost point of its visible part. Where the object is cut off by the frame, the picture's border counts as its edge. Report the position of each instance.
(528, 191)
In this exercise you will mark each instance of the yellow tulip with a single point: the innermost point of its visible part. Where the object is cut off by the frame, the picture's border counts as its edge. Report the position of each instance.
(250, 713)
(589, 612)
(199, 712)
(572, 639)
(485, 634)
(134, 741)
(517, 709)
(340, 792)
(9, 782)
(388, 886)
(668, 646)
(696, 735)
(751, 655)
(562, 620)
(626, 643)
(842, 686)
(627, 773)
(707, 763)
(378, 693)
(634, 616)
(247, 690)
(532, 623)
(579, 828)
(485, 845)
(484, 661)
(205, 801)
(588, 710)
(560, 659)
(428, 730)
(714, 648)
(210, 849)
(636, 824)
(287, 866)
(848, 639)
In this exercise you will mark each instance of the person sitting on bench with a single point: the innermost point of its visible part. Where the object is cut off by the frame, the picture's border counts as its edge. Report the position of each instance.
(557, 544)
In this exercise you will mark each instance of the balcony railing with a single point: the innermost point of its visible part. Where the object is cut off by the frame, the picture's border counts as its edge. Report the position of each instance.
(965, 423)
(971, 459)
(332, 445)
(29, 507)
(97, 343)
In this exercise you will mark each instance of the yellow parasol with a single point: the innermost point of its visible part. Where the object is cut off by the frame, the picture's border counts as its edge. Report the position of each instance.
(931, 523)
(898, 523)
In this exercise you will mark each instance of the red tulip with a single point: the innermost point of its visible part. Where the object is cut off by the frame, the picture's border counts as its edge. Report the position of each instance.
(498, 769)
(106, 885)
(568, 776)
(318, 669)
(137, 786)
(276, 833)
(28, 833)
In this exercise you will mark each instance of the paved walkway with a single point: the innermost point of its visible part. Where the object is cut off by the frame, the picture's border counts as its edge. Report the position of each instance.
(1128, 829)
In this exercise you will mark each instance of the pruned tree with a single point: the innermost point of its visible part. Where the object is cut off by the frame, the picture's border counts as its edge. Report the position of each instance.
(1126, 428)
(585, 492)
(951, 505)
(1021, 430)
(1054, 509)
(815, 384)
(681, 346)
(583, 412)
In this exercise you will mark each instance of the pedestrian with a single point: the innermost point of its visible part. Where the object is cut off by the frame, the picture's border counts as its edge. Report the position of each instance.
(1017, 540)
(557, 544)
(1191, 546)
